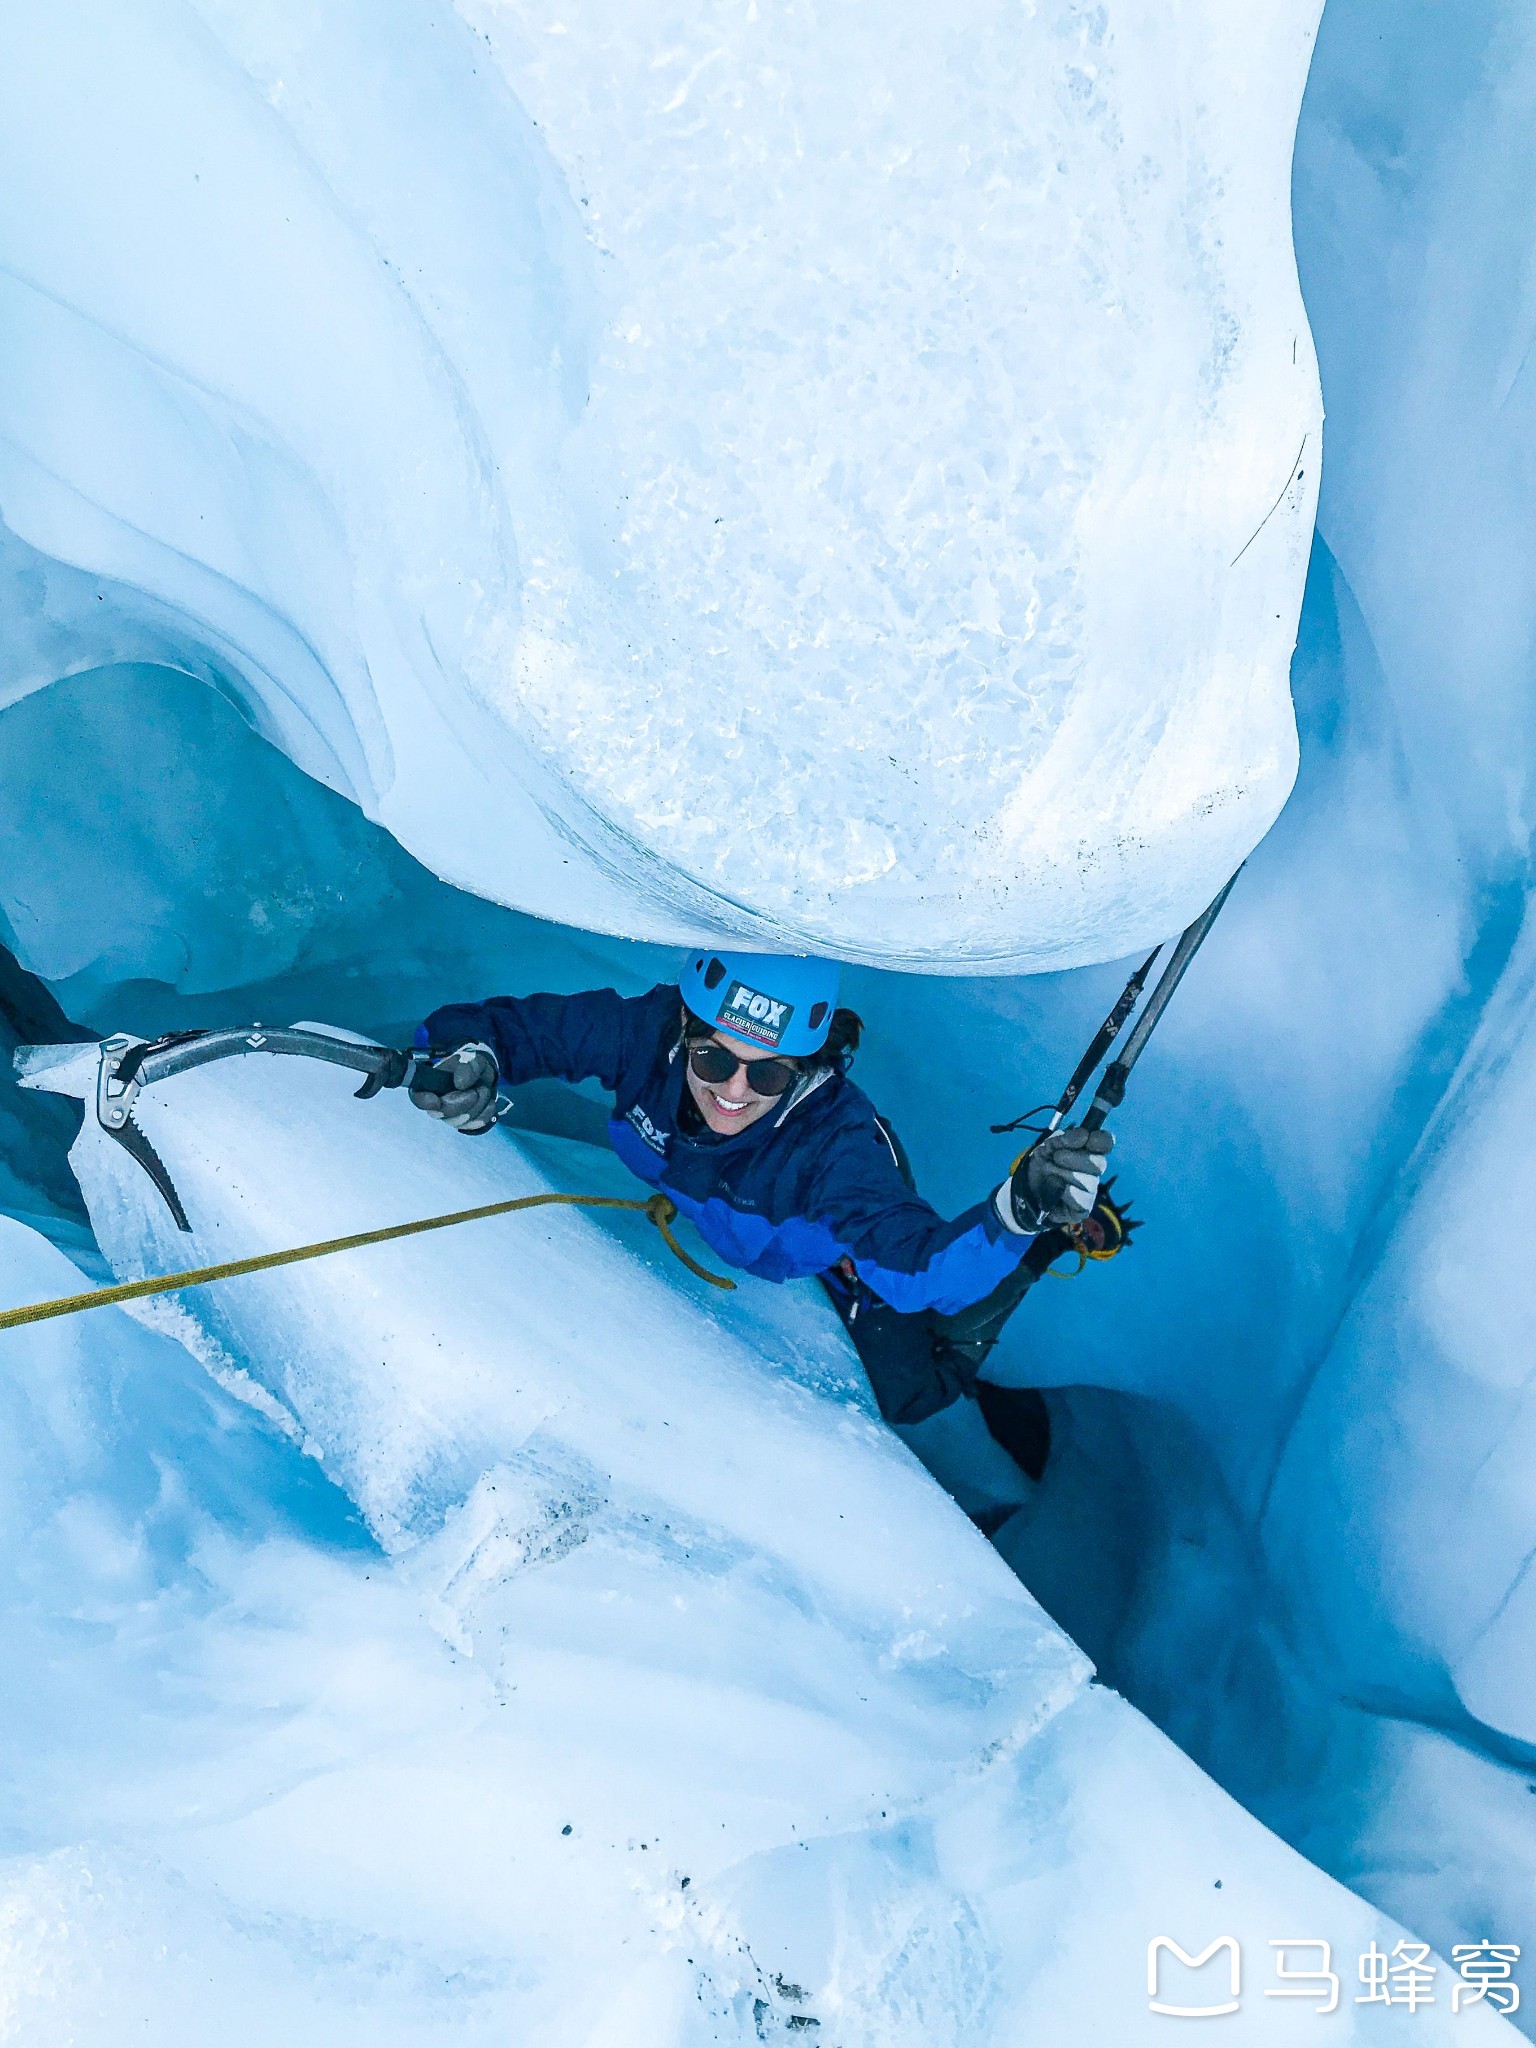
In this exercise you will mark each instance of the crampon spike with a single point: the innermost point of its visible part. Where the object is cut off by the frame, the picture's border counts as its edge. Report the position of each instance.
(1107, 1230)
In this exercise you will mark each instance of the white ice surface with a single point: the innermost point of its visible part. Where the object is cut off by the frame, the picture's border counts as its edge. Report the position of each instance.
(842, 479)
(655, 1573)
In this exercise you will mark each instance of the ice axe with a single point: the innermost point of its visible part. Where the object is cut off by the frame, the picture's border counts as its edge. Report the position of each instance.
(1111, 1090)
(1087, 1066)
(129, 1065)
(1113, 1224)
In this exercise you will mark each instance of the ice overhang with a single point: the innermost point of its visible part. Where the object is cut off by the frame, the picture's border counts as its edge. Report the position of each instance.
(843, 488)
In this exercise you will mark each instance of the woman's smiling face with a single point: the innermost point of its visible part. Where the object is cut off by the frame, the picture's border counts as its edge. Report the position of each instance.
(729, 1106)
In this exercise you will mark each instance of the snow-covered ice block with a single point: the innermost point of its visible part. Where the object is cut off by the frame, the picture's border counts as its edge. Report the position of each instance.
(712, 1475)
(685, 1707)
(841, 478)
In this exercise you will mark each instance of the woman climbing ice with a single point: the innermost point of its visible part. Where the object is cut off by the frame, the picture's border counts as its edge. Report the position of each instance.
(731, 1094)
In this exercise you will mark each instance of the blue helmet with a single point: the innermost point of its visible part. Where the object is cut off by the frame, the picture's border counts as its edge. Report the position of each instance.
(767, 999)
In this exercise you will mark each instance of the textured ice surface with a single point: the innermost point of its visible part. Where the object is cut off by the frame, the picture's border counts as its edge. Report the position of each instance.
(1419, 1428)
(1423, 1396)
(655, 1576)
(796, 471)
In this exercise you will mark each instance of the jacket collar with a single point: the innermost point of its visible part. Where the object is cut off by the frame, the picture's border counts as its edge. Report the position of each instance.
(805, 1087)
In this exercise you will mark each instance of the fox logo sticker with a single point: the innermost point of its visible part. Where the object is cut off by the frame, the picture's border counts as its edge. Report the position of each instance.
(751, 1014)
(657, 1140)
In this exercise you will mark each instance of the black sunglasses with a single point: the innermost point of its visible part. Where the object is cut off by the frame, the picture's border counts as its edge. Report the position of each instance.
(712, 1061)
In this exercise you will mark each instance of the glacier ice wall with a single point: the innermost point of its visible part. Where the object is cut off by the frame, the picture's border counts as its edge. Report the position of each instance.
(669, 485)
(1428, 510)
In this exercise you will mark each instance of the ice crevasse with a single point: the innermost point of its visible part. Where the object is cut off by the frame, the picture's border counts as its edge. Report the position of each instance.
(672, 486)
(732, 470)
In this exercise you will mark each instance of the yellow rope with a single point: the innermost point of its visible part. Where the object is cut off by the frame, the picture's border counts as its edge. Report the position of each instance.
(661, 1210)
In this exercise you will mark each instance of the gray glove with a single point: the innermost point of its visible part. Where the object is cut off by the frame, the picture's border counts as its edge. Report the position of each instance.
(460, 1089)
(1057, 1182)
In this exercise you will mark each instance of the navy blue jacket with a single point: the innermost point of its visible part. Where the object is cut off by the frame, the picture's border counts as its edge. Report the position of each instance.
(800, 1189)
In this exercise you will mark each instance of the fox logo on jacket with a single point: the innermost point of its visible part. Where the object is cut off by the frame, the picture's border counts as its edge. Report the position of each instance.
(656, 1139)
(751, 1014)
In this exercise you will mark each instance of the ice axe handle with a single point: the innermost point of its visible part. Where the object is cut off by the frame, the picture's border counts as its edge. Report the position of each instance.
(1111, 1090)
(427, 1079)
(1109, 1096)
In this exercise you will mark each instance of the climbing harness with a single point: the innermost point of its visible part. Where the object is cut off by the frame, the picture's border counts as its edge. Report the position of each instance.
(660, 1208)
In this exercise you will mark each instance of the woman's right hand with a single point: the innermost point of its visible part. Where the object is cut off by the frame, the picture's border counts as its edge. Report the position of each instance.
(459, 1089)
(1057, 1180)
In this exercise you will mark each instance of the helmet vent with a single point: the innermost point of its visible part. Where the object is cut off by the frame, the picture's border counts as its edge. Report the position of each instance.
(714, 974)
(818, 1011)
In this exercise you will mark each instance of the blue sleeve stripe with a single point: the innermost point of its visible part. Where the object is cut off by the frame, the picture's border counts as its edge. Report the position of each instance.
(965, 1271)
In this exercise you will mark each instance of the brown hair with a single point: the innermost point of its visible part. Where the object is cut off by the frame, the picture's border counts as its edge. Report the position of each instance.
(843, 1037)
